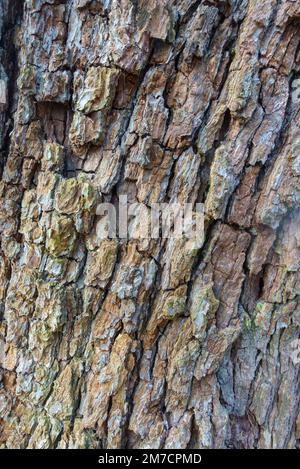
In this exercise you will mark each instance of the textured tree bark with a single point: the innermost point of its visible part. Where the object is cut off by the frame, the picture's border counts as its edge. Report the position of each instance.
(149, 344)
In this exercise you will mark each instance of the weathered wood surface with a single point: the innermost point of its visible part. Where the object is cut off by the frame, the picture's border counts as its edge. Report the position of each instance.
(149, 345)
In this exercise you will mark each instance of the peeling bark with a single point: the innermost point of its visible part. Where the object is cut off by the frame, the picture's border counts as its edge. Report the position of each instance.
(162, 100)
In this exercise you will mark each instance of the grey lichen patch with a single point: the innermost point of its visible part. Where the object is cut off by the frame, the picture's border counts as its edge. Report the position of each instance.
(62, 399)
(128, 282)
(45, 433)
(76, 198)
(174, 304)
(53, 157)
(62, 236)
(30, 209)
(27, 80)
(100, 264)
(33, 233)
(178, 260)
(263, 316)
(242, 89)
(74, 195)
(130, 278)
(55, 268)
(222, 183)
(203, 308)
(51, 307)
(40, 333)
(3, 93)
(88, 195)
(54, 87)
(108, 171)
(169, 306)
(98, 89)
(45, 190)
(93, 99)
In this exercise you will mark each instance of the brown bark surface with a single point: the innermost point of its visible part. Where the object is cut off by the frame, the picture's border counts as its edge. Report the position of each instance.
(149, 344)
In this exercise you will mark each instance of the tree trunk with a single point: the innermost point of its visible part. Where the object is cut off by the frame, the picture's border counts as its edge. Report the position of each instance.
(147, 343)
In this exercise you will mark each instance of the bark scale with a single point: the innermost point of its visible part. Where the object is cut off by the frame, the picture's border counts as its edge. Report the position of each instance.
(149, 344)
